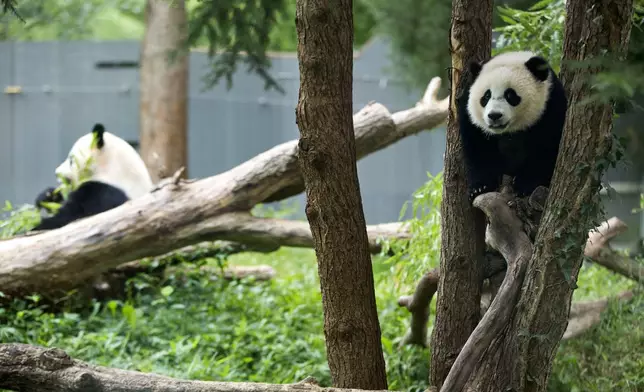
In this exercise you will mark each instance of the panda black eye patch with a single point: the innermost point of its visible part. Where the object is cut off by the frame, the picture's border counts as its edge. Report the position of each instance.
(512, 97)
(486, 98)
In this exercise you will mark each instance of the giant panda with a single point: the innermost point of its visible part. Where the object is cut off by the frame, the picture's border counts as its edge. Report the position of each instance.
(511, 116)
(110, 170)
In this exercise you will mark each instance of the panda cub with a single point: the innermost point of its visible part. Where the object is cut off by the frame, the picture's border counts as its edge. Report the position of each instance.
(511, 120)
(112, 171)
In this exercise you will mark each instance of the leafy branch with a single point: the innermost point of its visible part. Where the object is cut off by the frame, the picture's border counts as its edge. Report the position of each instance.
(10, 5)
(240, 30)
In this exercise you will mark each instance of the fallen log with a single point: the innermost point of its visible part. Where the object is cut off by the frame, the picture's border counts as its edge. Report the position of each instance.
(35, 369)
(184, 213)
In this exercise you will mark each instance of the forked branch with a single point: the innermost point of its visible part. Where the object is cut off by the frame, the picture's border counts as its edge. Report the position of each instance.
(505, 234)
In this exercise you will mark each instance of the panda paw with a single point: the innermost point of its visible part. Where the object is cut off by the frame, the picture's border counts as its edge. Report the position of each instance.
(478, 191)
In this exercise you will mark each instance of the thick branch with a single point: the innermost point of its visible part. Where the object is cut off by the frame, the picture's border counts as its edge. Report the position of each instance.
(597, 250)
(418, 306)
(621, 264)
(244, 228)
(240, 227)
(182, 215)
(35, 369)
(507, 236)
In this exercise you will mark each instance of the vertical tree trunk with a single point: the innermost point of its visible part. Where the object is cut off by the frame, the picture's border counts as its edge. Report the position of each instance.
(164, 88)
(462, 226)
(592, 27)
(327, 158)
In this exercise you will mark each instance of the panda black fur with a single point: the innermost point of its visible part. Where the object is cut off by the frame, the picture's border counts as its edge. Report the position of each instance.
(511, 117)
(115, 174)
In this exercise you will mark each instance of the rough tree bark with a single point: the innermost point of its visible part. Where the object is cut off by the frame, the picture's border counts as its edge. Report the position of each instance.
(327, 160)
(462, 226)
(164, 88)
(185, 214)
(592, 27)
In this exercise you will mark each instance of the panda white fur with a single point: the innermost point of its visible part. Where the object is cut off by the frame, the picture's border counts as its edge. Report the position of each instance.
(113, 172)
(511, 116)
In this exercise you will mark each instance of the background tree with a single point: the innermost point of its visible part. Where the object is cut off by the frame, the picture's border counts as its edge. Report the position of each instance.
(327, 159)
(164, 89)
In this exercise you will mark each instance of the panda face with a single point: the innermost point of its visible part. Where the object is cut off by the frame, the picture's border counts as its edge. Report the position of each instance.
(81, 162)
(509, 93)
(499, 105)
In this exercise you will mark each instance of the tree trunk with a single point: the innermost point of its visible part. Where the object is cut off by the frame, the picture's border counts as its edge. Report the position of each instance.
(164, 88)
(600, 26)
(462, 226)
(327, 159)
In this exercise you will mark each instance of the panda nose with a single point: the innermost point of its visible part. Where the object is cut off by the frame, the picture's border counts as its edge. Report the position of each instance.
(495, 115)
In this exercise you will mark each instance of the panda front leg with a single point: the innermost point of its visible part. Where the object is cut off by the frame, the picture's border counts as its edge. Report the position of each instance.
(483, 163)
(530, 178)
(483, 180)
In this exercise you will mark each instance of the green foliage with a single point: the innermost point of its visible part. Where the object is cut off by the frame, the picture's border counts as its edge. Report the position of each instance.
(418, 31)
(234, 32)
(541, 29)
(236, 27)
(74, 19)
(10, 6)
(415, 256)
(19, 220)
(283, 37)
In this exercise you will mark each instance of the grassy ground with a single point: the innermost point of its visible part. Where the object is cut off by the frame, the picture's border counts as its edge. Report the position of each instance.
(193, 326)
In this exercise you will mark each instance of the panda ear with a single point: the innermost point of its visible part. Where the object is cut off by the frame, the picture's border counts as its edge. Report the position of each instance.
(539, 67)
(98, 132)
(475, 69)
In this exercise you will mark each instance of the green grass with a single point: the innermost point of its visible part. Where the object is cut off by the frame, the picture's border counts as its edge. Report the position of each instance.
(609, 357)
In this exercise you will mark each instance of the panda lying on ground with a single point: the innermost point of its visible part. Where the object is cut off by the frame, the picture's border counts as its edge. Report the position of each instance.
(114, 173)
(511, 121)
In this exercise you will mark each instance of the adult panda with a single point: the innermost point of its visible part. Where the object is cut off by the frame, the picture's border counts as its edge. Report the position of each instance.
(111, 172)
(511, 120)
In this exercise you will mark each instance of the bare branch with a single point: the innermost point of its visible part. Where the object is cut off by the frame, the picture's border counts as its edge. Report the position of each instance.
(418, 306)
(599, 237)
